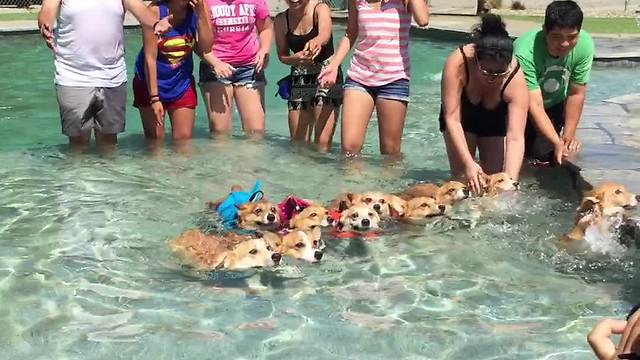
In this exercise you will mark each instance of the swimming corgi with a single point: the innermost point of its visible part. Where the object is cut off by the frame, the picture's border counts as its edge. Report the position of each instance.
(359, 217)
(303, 245)
(311, 217)
(233, 252)
(421, 208)
(386, 205)
(600, 208)
(498, 183)
(261, 215)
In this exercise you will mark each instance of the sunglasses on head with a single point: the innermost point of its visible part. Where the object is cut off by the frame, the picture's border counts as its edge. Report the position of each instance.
(486, 72)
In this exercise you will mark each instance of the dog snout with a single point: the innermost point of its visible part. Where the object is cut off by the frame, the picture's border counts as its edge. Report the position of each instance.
(466, 192)
(365, 222)
(318, 255)
(276, 257)
(442, 208)
(271, 218)
(637, 197)
(376, 207)
(516, 185)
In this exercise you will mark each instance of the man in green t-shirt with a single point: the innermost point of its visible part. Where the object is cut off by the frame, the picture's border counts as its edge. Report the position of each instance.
(556, 62)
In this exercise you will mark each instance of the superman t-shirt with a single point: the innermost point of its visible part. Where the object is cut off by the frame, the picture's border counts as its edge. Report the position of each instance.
(234, 29)
(553, 75)
(175, 57)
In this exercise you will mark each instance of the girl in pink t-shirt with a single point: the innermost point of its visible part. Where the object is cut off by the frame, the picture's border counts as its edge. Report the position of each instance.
(233, 70)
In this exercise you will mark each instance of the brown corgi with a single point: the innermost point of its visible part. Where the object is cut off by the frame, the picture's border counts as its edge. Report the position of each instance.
(422, 208)
(303, 245)
(359, 217)
(311, 217)
(261, 215)
(498, 183)
(209, 252)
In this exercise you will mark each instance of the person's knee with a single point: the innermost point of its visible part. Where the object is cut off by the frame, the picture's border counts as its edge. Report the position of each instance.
(181, 134)
(390, 146)
(352, 146)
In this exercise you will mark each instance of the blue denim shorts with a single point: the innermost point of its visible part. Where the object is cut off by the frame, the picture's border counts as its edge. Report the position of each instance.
(242, 76)
(396, 90)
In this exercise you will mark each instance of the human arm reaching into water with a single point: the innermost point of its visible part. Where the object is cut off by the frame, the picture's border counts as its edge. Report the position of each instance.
(452, 85)
(573, 110)
(517, 98)
(543, 124)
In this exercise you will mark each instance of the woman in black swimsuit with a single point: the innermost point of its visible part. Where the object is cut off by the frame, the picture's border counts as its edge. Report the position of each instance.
(305, 42)
(484, 105)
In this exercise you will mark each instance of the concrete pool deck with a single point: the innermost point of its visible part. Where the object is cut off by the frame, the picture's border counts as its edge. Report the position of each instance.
(611, 147)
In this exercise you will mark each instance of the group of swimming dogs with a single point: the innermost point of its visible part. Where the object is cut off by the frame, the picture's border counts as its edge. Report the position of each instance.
(259, 233)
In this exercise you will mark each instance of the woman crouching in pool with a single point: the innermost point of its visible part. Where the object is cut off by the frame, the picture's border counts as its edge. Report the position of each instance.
(484, 105)
(164, 69)
(304, 29)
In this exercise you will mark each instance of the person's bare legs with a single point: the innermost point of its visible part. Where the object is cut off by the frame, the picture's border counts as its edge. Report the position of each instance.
(79, 143)
(492, 152)
(152, 130)
(455, 163)
(301, 125)
(251, 115)
(218, 99)
(325, 125)
(182, 121)
(391, 115)
(358, 107)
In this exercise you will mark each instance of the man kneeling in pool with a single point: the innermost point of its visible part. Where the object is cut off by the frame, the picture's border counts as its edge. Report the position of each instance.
(556, 62)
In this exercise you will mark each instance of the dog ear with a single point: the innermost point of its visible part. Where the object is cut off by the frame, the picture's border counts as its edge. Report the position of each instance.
(350, 196)
(343, 206)
(243, 206)
(588, 204)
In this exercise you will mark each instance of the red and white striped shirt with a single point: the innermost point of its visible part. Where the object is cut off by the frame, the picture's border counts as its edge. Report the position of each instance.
(381, 55)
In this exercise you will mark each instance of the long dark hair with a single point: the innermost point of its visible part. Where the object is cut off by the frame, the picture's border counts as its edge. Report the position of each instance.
(491, 40)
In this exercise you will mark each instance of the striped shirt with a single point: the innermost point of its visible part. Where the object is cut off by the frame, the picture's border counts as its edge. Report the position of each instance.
(381, 55)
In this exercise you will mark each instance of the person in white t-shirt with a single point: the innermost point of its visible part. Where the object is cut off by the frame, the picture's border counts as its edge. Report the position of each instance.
(90, 70)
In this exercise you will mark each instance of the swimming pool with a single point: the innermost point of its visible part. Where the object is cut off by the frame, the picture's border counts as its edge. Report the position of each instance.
(85, 272)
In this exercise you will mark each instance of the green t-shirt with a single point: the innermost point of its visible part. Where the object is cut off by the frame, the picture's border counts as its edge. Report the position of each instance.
(552, 75)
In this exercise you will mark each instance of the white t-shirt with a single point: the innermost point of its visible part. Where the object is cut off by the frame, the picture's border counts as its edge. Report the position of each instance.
(89, 44)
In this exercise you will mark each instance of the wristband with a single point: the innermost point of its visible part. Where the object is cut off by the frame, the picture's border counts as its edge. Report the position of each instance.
(154, 25)
(153, 101)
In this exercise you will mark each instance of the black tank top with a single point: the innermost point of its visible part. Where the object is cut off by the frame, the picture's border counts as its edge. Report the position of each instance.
(297, 42)
(478, 111)
(477, 119)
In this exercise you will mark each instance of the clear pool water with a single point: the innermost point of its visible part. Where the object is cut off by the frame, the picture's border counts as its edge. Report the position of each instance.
(85, 272)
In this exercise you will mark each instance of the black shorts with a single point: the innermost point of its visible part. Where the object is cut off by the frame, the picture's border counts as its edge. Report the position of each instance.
(536, 147)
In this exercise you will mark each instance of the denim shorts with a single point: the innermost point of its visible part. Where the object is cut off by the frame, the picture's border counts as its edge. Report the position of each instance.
(396, 90)
(245, 75)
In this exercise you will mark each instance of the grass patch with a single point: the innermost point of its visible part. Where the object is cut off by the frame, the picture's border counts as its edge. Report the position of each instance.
(594, 25)
(17, 16)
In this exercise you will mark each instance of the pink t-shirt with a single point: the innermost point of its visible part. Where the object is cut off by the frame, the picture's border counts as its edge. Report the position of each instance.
(234, 29)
